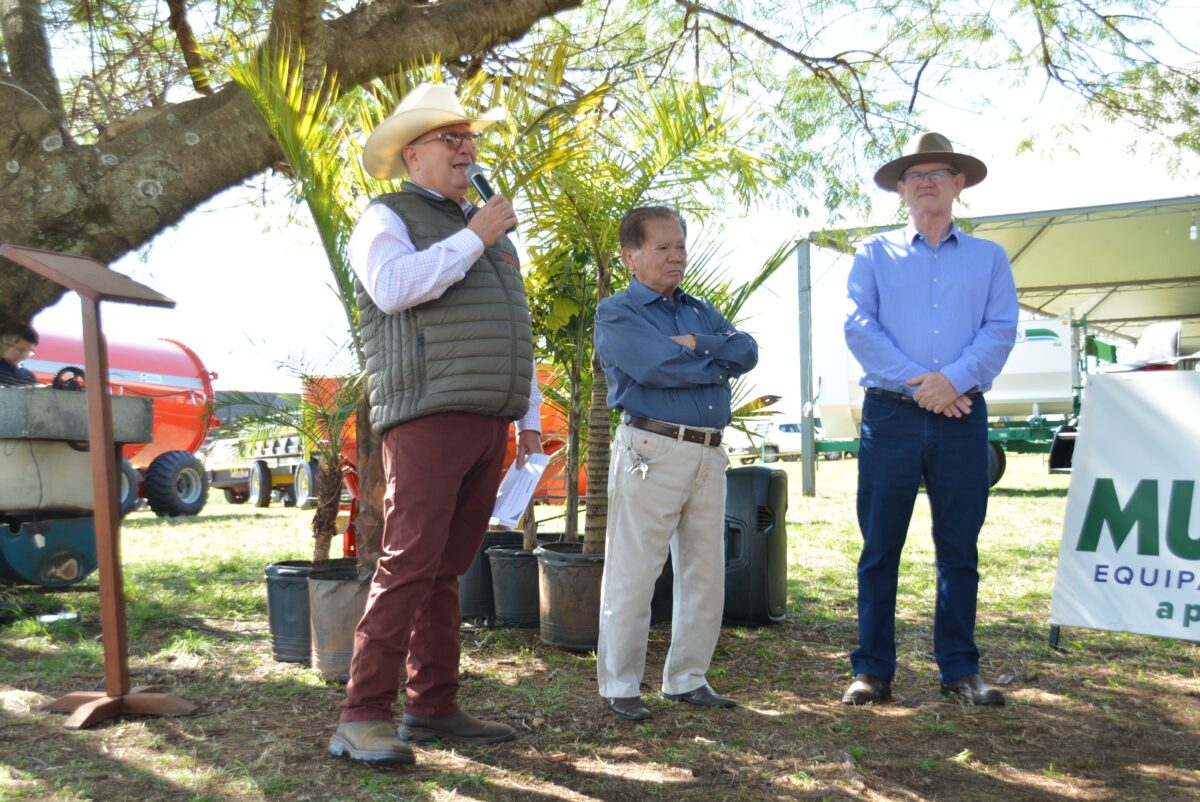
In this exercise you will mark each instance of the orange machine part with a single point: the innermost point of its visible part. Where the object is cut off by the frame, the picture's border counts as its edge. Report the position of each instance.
(166, 371)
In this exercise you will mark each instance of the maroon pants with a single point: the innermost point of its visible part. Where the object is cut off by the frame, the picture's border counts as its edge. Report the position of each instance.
(442, 472)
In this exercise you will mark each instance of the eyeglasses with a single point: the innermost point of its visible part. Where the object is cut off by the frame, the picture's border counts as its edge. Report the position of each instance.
(452, 139)
(935, 176)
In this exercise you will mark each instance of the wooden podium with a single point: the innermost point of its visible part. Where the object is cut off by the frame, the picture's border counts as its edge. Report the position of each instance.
(94, 282)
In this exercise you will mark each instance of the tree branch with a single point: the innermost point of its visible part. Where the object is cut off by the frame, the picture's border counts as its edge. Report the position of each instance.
(187, 45)
(820, 67)
(24, 34)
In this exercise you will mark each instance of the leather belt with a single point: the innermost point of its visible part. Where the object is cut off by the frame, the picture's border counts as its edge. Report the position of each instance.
(701, 436)
(908, 399)
(891, 394)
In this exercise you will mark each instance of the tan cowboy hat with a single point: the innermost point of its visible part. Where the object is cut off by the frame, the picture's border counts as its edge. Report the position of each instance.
(928, 147)
(425, 108)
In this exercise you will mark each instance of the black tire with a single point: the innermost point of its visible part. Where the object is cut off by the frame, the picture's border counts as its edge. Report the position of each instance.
(748, 460)
(234, 496)
(771, 454)
(260, 484)
(288, 496)
(127, 487)
(790, 457)
(304, 485)
(831, 455)
(997, 462)
(176, 484)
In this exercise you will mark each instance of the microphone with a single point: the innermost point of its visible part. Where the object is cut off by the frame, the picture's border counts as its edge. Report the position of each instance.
(479, 180)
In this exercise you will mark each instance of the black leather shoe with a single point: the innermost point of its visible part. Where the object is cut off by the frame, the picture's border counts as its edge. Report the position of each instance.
(704, 696)
(630, 707)
(867, 689)
(973, 690)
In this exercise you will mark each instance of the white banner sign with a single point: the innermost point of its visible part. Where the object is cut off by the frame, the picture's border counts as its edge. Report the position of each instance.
(1130, 554)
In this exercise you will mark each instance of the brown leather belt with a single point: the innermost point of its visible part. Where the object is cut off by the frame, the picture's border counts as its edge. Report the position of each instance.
(701, 436)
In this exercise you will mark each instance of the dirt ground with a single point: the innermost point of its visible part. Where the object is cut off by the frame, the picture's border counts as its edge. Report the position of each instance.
(1107, 726)
(1106, 718)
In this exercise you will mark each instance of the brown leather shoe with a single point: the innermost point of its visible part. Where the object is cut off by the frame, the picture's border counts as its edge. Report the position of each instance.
(459, 726)
(973, 690)
(369, 741)
(867, 689)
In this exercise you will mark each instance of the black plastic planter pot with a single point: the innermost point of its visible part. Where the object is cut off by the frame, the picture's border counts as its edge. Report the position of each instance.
(287, 610)
(514, 586)
(569, 582)
(475, 597)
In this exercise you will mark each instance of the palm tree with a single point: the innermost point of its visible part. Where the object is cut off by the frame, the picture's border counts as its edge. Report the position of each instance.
(322, 419)
(666, 143)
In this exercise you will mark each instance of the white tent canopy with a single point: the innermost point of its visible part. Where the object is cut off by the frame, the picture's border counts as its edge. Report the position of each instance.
(1122, 266)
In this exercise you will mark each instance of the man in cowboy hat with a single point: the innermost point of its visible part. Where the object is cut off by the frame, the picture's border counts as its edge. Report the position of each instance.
(933, 318)
(446, 332)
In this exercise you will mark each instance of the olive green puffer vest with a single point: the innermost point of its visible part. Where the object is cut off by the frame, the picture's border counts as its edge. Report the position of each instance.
(471, 350)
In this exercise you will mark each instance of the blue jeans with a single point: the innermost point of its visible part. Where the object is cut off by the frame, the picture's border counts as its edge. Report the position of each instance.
(901, 445)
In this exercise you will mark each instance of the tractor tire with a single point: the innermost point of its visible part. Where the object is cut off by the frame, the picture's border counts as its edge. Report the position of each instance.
(997, 462)
(260, 484)
(130, 482)
(176, 484)
(304, 486)
(236, 496)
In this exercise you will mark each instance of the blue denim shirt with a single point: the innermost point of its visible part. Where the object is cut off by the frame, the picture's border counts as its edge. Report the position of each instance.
(918, 310)
(652, 376)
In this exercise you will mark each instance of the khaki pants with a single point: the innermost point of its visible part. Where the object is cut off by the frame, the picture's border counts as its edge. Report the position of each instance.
(678, 505)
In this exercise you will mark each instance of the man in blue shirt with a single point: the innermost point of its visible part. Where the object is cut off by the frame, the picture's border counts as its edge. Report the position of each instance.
(11, 372)
(934, 316)
(668, 358)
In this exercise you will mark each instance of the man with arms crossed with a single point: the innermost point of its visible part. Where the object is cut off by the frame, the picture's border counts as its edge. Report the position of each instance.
(934, 316)
(449, 352)
(669, 358)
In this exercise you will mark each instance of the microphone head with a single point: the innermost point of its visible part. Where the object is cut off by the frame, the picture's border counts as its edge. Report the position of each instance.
(478, 179)
(474, 170)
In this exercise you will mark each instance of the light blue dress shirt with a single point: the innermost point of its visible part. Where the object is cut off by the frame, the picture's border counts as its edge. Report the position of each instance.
(917, 310)
(650, 375)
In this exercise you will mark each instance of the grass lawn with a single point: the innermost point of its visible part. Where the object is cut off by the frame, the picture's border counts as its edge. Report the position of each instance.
(1109, 717)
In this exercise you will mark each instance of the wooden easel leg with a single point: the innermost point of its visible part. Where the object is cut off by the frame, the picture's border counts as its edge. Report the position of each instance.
(92, 707)
(94, 712)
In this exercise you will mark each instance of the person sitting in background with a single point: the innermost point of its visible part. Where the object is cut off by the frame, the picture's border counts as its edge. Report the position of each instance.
(11, 372)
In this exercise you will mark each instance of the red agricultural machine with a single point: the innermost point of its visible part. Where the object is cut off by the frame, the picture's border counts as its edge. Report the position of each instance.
(164, 471)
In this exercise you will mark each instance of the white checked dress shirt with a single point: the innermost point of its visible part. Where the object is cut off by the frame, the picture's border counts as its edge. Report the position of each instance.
(397, 276)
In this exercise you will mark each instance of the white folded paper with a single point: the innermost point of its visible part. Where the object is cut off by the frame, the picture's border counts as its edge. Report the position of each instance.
(516, 489)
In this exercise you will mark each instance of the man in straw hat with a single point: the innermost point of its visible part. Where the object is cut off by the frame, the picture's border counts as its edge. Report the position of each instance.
(933, 318)
(446, 331)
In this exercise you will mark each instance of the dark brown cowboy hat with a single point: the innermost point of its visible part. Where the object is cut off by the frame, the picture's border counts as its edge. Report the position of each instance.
(928, 147)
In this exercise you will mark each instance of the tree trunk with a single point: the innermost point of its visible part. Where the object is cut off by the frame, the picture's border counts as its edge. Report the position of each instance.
(599, 437)
(329, 494)
(574, 419)
(529, 542)
(599, 443)
(368, 524)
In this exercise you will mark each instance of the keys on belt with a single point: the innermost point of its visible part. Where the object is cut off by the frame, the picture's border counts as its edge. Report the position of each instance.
(701, 436)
